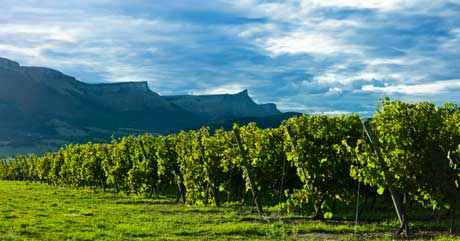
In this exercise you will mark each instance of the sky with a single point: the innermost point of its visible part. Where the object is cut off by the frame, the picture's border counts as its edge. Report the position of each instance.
(312, 56)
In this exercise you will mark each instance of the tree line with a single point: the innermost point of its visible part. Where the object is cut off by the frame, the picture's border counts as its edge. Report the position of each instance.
(309, 164)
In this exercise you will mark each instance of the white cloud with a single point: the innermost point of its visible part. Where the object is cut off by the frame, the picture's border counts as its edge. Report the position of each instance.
(41, 31)
(256, 30)
(107, 44)
(340, 74)
(337, 24)
(385, 5)
(334, 91)
(222, 89)
(12, 50)
(307, 43)
(434, 88)
(382, 61)
(451, 44)
(289, 104)
(297, 7)
(332, 113)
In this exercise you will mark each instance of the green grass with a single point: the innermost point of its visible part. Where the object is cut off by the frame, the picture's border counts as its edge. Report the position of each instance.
(41, 212)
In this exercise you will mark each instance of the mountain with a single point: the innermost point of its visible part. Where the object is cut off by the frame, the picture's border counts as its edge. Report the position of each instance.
(225, 105)
(42, 109)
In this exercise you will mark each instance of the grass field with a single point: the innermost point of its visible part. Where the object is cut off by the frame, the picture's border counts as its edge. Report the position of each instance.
(41, 212)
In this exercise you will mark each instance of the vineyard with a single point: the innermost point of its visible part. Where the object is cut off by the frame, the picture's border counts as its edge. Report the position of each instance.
(313, 165)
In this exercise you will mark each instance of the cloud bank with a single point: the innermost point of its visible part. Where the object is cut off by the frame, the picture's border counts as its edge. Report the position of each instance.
(311, 56)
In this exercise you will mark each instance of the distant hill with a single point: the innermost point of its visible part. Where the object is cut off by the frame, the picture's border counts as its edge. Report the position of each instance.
(42, 109)
(225, 105)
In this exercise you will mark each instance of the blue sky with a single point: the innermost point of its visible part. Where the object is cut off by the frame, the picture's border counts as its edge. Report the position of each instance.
(313, 56)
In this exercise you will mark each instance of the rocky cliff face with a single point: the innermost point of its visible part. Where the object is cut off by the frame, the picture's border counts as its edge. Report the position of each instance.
(131, 96)
(225, 105)
(42, 108)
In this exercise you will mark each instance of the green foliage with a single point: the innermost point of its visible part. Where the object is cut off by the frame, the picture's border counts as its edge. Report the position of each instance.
(417, 143)
(264, 148)
(309, 164)
(191, 166)
(168, 166)
(314, 145)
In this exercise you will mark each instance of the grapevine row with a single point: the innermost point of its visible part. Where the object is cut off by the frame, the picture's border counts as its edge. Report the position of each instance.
(310, 163)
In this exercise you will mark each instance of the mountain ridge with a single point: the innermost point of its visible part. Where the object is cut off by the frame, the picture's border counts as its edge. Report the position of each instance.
(223, 105)
(42, 109)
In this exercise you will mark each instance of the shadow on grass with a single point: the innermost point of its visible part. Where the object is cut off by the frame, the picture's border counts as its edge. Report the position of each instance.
(142, 202)
(201, 233)
(192, 211)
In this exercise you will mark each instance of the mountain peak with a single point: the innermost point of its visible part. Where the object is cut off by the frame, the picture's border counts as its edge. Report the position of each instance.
(243, 92)
(8, 64)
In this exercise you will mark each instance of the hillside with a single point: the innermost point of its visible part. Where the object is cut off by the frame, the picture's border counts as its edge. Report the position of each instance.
(42, 109)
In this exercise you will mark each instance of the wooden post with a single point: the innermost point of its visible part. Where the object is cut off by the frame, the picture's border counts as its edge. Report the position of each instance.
(452, 228)
(282, 184)
(247, 169)
(180, 192)
(357, 204)
(397, 202)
